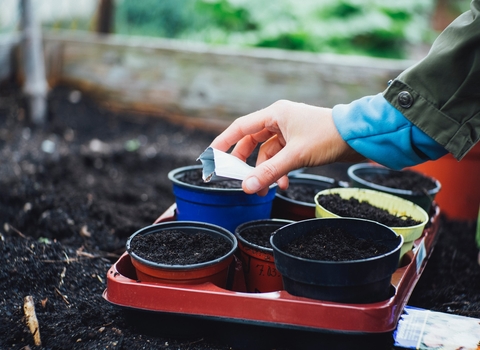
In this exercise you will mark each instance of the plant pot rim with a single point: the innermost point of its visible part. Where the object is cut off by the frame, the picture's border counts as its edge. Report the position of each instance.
(344, 262)
(301, 176)
(179, 225)
(263, 222)
(172, 176)
(390, 197)
(351, 171)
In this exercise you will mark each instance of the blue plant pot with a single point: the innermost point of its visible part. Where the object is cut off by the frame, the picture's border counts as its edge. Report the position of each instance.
(225, 207)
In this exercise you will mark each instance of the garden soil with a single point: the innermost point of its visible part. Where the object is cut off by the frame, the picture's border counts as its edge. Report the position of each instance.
(72, 192)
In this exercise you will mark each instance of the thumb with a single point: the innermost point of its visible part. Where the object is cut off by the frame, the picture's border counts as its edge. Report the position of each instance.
(267, 173)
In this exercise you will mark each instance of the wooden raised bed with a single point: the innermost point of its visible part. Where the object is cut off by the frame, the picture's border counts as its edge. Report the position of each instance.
(211, 85)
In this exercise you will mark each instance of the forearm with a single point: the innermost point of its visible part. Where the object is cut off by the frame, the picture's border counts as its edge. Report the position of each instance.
(378, 131)
(441, 94)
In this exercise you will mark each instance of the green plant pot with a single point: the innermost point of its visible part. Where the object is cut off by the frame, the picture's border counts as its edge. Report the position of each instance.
(393, 204)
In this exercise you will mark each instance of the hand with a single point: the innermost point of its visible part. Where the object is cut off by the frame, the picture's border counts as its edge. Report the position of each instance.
(293, 135)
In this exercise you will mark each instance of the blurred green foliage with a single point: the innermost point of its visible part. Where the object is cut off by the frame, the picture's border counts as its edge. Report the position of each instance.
(381, 28)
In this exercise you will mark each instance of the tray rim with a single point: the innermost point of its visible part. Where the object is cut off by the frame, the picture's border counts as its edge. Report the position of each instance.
(277, 309)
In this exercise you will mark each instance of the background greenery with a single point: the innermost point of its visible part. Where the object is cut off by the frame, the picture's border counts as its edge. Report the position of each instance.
(382, 28)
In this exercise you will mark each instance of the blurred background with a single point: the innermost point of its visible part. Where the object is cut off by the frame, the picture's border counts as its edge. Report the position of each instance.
(206, 62)
(379, 28)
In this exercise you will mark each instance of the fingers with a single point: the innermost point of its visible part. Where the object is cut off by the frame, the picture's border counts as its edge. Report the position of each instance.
(246, 126)
(247, 145)
(268, 172)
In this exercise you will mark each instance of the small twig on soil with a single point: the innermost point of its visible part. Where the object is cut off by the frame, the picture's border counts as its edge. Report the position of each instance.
(64, 297)
(194, 342)
(81, 254)
(62, 276)
(7, 228)
(31, 319)
(452, 303)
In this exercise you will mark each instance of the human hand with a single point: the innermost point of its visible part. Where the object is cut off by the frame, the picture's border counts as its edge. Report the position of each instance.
(293, 135)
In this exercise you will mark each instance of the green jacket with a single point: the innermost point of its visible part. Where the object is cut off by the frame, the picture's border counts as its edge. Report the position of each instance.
(441, 94)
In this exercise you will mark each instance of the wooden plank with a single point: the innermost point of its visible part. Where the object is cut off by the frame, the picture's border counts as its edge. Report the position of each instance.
(209, 83)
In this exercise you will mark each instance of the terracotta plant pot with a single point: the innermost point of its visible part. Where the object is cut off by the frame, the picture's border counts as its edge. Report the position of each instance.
(369, 175)
(256, 255)
(394, 205)
(214, 270)
(287, 206)
(366, 280)
(226, 207)
(460, 195)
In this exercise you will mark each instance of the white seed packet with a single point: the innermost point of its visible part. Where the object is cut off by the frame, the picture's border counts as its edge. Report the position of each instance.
(426, 329)
(218, 165)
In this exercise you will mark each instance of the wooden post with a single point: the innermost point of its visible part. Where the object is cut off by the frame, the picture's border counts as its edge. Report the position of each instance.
(35, 86)
(105, 17)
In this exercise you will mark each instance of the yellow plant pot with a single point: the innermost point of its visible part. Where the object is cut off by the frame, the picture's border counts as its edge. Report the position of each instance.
(393, 204)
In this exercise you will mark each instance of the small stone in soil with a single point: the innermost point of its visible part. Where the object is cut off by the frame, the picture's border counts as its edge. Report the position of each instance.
(175, 247)
(334, 244)
(352, 207)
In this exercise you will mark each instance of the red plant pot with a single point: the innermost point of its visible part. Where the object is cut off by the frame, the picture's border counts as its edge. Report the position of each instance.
(460, 195)
(259, 269)
(214, 271)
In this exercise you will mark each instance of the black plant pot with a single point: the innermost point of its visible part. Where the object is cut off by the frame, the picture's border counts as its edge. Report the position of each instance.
(351, 281)
(289, 208)
(363, 175)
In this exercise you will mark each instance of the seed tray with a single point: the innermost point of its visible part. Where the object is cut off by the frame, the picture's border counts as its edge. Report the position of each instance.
(272, 319)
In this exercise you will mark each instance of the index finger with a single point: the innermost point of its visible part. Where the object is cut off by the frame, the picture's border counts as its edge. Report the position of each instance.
(244, 126)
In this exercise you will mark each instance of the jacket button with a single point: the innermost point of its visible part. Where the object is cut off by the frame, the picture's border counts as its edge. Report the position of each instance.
(405, 100)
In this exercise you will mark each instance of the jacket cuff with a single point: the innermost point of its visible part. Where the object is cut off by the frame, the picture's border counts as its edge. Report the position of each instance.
(378, 131)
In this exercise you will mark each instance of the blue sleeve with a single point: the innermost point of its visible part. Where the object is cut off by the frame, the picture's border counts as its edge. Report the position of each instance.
(378, 131)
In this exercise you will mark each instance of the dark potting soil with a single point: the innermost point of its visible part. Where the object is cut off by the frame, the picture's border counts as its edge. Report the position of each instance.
(194, 177)
(403, 180)
(301, 192)
(73, 192)
(176, 247)
(352, 207)
(334, 244)
(259, 235)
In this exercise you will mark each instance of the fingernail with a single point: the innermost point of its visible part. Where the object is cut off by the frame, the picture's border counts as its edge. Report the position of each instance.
(252, 184)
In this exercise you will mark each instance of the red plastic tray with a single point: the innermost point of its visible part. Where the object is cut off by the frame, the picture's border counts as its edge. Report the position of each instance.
(277, 309)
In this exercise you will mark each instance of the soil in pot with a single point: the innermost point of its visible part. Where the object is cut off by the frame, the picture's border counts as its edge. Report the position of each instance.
(221, 203)
(182, 252)
(175, 247)
(297, 201)
(301, 192)
(346, 260)
(410, 185)
(403, 180)
(259, 235)
(352, 207)
(334, 244)
(194, 177)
